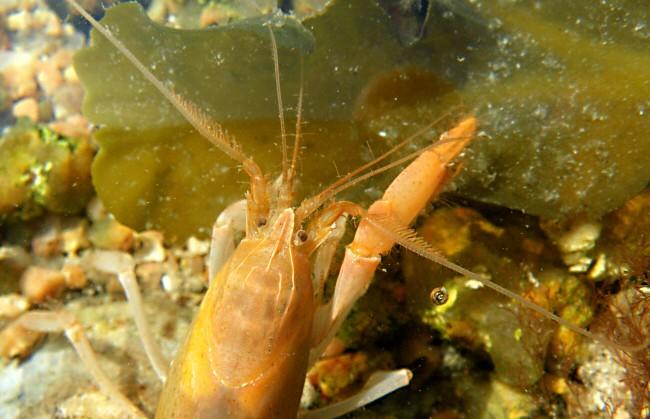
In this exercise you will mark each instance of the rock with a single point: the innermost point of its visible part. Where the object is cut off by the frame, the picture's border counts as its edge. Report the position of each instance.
(53, 378)
(17, 341)
(75, 277)
(49, 77)
(39, 284)
(111, 235)
(20, 78)
(12, 305)
(26, 108)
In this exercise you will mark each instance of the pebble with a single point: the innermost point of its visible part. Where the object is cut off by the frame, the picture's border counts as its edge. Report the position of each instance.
(19, 21)
(39, 284)
(47, 242)
(26, 108)
(49, 77)
(73, 236)
(62, 59)
(13, 305)
(19, 78)
(67, 100)
(17, 341)
(110, 235)
(74, 276)
(72, 126)
(149, 245)
(70, 75)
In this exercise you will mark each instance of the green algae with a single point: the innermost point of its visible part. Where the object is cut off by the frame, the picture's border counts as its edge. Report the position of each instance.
(154, 171)
(563, 97)
(561, 104)
(42, 171)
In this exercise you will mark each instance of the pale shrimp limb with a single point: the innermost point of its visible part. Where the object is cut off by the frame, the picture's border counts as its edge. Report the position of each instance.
(378, 385)
(324, 254)
(283, 131)
(201, 122)
(222, 243)
(416, 185)
(63, 321)
(122, 265)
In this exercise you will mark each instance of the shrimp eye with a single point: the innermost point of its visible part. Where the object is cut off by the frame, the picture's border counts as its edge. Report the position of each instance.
(302, 236)
(261, 221)
(439, 296)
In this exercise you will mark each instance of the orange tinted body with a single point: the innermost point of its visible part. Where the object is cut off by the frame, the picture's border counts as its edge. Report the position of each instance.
(246, 353)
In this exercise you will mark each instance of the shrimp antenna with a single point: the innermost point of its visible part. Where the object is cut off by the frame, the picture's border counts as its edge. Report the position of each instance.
(296, 141)
(283, 131)
(410, 240)
(199, 120)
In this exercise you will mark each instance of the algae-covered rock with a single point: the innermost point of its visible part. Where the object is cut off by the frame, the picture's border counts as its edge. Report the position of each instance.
(623, 249)
(41, 170)
(514, 255)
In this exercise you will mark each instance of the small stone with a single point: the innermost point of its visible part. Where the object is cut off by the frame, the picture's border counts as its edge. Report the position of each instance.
(74, 126)
(171, 282)
(19, 78)
(111, 235)
(67, 100)
(150, 274)
(14, 258)
(333, 376)
(54, 28)
(68, 30)
(215, 15)
(90, 404)
(95, 210)
(17, 341)
(70, 75)
(193, 265)
(75, 277)
(13, 305)
(26, 108)
(39, 284)
(197, 247)
(41, 17)
(47, 242)
(19, 21)
(62, 59)
(575, 238)
(49, 77)
(149, 245)
(73, 236)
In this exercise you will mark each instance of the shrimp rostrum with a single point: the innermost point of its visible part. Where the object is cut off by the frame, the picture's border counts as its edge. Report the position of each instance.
(264, 321)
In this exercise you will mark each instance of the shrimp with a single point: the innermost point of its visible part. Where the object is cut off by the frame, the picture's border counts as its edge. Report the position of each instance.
(264, 321)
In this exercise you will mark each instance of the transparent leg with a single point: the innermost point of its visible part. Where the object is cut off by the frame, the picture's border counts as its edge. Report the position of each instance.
(222, 244)
(63, 321)
(378, 385)
(123, 266)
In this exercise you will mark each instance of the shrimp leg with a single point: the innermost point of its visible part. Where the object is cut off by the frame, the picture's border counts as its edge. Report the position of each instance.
(63, 321)
(123, 266)
(378, 385)
(222, 244)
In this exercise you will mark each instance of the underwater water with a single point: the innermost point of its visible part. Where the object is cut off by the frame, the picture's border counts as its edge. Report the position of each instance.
(550, 200)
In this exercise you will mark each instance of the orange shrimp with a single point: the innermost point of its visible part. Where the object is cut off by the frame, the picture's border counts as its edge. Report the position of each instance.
(263, 321)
